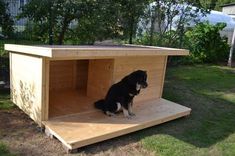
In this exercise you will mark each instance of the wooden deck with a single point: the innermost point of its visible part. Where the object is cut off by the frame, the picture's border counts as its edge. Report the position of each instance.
(81, 129)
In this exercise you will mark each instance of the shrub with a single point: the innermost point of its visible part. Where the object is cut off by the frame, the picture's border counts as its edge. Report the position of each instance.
(206, 44)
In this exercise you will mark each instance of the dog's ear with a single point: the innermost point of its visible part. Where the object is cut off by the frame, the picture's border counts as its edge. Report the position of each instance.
(131, 79)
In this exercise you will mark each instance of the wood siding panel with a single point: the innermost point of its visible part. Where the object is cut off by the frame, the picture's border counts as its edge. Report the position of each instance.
(26, 84)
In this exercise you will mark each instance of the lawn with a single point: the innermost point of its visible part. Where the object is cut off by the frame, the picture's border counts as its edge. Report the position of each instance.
(209, 130)
(5, 102)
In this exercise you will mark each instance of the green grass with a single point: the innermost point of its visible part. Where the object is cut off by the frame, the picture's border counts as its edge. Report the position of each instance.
(5, 102)
(4, 150)
(210, 129)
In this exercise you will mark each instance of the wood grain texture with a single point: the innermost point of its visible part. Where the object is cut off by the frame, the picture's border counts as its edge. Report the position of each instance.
(62, 74)
(83, 129)
(163, 76)
(155, 70)
(26, 84)
(82, 74)
(45, 89)
(69, 101)
(100, 76)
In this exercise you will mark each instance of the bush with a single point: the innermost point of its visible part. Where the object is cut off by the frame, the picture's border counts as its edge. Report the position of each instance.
(169, 39)
(206, 44)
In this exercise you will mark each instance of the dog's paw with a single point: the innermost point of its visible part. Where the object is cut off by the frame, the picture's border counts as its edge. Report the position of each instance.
(128, 116)
(110, 114)
(132, 114)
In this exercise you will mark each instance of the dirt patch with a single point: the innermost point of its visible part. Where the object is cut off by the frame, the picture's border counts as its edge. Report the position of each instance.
(24, 137)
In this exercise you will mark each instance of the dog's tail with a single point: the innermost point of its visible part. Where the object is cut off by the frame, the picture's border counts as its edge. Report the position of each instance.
(100, 105)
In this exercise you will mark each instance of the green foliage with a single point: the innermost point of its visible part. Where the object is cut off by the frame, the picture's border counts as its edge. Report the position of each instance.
(206, 44)
(5, 102)
(83, 22)
(209, 130)
(164, 40)
(36, 31)
(4, 150)
(210, 4)
(99, 23)
(165, 15)
(130, 13)
(144, 39)
(53, 16)
(222, 2)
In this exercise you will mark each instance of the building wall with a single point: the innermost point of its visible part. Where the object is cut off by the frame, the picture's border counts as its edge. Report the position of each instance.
(14, 9)
(230, 10)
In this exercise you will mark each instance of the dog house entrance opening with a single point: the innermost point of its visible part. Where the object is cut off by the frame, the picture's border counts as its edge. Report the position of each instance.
(74, 85)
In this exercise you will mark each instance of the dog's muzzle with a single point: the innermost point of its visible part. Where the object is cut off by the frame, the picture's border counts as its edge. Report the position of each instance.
(145, 85)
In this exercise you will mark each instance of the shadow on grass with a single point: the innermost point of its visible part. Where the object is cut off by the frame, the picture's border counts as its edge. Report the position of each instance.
(212, 118)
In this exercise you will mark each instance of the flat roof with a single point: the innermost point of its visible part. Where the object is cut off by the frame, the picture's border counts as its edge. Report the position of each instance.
(93, 51)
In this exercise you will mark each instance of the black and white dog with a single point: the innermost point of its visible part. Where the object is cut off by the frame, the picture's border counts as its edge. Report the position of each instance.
(120, 95)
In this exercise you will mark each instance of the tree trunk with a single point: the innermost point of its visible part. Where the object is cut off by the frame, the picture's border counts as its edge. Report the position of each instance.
(181, 37)
(63, 30)
(153, 21)
(131, 31)
(130, 38)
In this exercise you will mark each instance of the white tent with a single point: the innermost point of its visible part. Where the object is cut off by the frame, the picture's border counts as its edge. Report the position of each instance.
(215, 17)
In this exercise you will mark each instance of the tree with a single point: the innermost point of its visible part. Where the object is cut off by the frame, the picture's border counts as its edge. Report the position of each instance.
(222, 2)
(55, 15)
(110, 19)
(165, 15)
(6, 21)
(215, 4)
(131, 11)
(209, 4)
(100, 22)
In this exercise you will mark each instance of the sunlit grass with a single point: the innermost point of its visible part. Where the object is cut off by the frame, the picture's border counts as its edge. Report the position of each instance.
(209, 130)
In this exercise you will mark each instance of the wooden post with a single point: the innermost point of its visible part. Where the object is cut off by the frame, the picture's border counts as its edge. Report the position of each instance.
(231, 50)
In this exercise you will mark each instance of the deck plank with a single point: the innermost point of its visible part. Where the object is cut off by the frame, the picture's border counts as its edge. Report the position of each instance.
(81, 129)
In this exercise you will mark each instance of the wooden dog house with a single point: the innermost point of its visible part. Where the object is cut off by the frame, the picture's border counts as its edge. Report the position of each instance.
(57, 86)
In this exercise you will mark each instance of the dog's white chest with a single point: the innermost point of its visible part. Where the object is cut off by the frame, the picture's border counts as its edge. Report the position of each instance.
(119, 107)
(138, 86)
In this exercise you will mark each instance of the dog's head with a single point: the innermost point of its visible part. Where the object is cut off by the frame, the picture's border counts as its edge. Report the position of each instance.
(138, 78)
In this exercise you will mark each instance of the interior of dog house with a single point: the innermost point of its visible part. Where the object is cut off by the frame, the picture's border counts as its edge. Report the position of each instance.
(58, 85)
